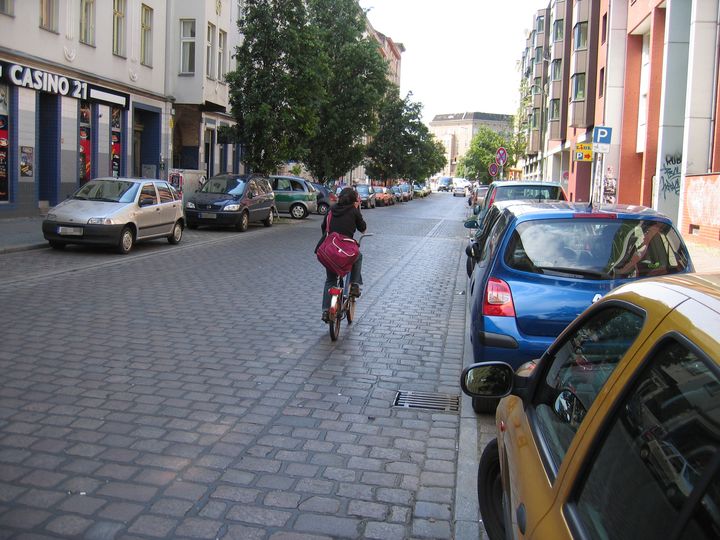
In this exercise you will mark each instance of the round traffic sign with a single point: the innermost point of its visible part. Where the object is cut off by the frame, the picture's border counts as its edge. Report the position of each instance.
(501, 156)
(493, 169)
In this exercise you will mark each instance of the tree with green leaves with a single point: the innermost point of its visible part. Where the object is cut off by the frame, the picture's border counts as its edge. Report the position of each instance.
(278, 86)
(354, 88)
(403, 147)
(483, 149)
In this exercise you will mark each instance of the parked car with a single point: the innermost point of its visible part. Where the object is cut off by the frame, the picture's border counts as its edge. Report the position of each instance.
(542, 264)
(613, 433)
(406, 191)
(418, 191)
(477, 196)
(444, 184)
(506, 190)
(326, 198)
(231, 200)
(399, 195)
(367, 195)
(294, 195)
(116, 212)
(459, 191)
(383, 196)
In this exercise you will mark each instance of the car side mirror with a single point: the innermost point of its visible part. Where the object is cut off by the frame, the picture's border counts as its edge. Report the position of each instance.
(569, 409)
(487, 380)
(471, 223)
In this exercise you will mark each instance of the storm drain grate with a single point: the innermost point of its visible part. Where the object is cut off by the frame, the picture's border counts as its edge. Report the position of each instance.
(427, 400)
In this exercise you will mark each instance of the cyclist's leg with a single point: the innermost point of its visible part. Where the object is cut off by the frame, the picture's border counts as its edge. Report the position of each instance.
(356, 276)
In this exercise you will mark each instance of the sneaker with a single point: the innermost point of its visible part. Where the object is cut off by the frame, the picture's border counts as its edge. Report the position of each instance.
(325, 316)
(355, 290)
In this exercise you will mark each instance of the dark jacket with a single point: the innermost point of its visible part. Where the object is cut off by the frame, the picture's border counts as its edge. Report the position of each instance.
(344, 220)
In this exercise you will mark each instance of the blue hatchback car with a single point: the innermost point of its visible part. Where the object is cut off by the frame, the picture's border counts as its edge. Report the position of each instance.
(542, 263)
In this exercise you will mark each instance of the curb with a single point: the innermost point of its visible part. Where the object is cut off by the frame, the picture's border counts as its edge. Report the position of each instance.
(23, 247)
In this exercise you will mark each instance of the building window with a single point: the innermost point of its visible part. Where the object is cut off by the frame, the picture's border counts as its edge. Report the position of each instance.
(559, 30)
(210, 51)
(6, 6)
(556, 69)
(540, 24)
(85, 143)
(119, 27)
(538, 54)
(601, 86)
(536, 86)
(604, 28)
(146, 22)
(578, 87)
(535, 118)
(240, 8)
(554, 109)
(87, 22)
(581, 29)
(187, 46)
(49, 15)
(221, 58)
(116, 142)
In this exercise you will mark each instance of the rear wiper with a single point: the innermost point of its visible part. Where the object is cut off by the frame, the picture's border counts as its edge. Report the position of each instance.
(561, 270)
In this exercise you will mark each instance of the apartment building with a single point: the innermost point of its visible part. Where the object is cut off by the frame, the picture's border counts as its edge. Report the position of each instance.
(455, 132)
(124, 87)
(650, 70)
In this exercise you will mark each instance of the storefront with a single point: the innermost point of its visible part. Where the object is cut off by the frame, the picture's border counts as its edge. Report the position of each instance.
(57, 132)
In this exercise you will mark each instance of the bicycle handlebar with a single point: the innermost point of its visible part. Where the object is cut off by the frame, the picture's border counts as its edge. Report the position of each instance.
(363, 236)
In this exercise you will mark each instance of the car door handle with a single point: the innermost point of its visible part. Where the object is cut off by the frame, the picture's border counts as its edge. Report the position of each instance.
(521, 518)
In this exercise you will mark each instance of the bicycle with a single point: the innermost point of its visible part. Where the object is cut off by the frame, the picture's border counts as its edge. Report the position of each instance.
(342, 304)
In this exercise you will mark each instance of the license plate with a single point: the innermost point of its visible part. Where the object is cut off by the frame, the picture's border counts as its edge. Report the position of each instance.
(70, 231)
(206, 215)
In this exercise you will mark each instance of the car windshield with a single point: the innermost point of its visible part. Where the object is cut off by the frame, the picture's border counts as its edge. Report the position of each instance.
(535, 193)
(596, 248)
(108, 190)
(362, 189)
(227, 185)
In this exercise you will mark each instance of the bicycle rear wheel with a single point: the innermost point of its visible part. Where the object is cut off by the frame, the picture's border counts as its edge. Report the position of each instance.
(335, 326)
(350, 310)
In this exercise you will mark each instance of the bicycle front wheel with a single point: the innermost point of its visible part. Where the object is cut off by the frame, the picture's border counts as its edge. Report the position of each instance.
(350, 313)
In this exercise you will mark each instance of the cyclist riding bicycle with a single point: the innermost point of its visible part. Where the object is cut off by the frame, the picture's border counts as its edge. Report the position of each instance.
(345, 218)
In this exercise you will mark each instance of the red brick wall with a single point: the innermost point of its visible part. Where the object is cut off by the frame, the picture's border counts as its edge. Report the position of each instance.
(701, 209)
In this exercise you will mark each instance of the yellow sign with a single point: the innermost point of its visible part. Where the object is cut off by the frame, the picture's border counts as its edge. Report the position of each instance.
(583, 152)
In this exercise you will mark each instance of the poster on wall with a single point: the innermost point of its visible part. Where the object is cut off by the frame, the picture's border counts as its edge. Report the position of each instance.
(26, 160)
(85, 146)
(115, 140)
(4, 137)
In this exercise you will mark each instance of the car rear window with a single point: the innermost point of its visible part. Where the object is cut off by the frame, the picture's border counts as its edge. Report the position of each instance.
(596, 248)
(534, 193)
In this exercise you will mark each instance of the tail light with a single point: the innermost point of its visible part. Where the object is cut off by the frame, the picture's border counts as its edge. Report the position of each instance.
(498, 300)
(333, 198)
(334, 291)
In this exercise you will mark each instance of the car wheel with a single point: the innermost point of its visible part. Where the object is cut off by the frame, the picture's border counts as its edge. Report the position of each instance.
(323, 209)
(485, 405)
(177, 233)
(192, 225)
(490, 492)
(242, 225)
(268, 221)
(127, 239)
(298, 211)
(57, 245)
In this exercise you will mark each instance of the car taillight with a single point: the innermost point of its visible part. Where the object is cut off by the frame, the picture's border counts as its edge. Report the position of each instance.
(498, 300)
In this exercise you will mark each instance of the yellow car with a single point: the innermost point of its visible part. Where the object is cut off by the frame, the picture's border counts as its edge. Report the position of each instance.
(615, 431)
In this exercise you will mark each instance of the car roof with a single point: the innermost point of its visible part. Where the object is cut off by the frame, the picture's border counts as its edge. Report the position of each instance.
(533, 183)
(129, 179)
(531, 209)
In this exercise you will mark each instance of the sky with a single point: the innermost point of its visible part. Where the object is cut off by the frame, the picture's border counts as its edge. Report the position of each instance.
(460, 55)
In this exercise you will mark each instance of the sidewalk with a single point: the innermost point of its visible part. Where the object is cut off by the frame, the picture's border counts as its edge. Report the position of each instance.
(21, 234)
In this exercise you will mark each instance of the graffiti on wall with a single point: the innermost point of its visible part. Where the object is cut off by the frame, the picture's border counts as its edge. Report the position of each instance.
(670, 176)
(702, 198)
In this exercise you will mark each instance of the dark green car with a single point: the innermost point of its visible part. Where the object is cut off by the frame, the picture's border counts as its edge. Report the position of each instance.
(294, 195)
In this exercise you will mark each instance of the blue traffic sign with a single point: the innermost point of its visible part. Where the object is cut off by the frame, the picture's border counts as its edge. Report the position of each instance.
(602, 134)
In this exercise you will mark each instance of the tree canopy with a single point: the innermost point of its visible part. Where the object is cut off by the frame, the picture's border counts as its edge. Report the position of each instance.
(483, 149)
(355, 83)
(403, 147)
(279, 84)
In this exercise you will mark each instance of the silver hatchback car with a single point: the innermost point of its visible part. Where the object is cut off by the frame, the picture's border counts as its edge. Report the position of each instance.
(116, 212)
